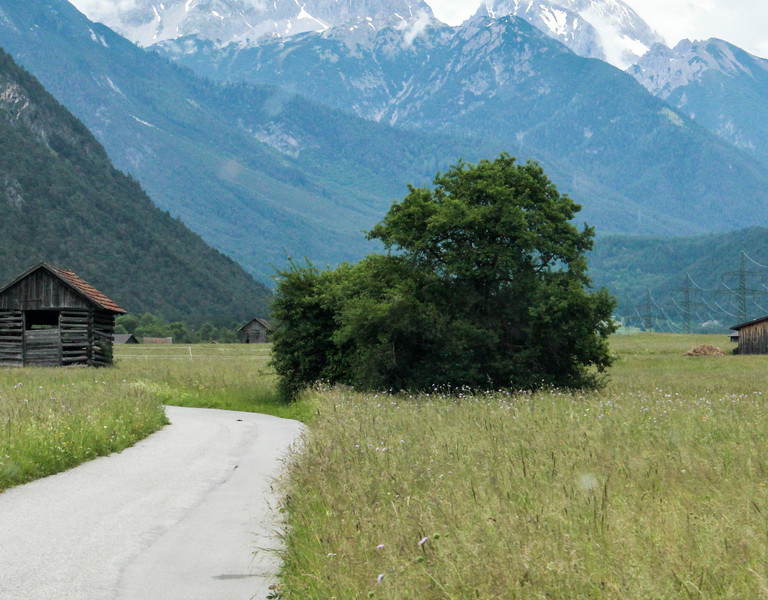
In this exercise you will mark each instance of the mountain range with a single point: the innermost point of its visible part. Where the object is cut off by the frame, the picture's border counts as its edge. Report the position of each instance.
(257, 171)
(300, 135)
(605, 29)
(62, 201)
(244, 22)
(709, 91)
(720, 86)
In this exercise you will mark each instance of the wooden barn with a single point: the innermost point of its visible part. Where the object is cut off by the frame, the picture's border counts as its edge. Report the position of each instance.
(51, 317)
(256, 331)
(125, 338)
(752, 337)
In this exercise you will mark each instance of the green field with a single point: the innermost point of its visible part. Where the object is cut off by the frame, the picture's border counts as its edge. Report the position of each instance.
(654, 487)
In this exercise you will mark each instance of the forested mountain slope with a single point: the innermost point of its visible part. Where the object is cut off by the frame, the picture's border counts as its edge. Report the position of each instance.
(260, 171)
(256, 171)
(657, 279)
(62, 201)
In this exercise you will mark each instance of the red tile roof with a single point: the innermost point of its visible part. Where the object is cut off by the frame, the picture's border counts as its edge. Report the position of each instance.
(73, 281)
(84, 288)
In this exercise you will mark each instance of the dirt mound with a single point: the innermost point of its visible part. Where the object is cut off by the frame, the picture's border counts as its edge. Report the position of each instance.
(705, 350)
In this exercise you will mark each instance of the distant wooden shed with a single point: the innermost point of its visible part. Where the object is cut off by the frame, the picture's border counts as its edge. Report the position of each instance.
(125, 338)
(51, 317)
(256, 331)
(752, 337)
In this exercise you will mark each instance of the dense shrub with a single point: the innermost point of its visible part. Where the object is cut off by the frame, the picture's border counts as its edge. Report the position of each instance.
(485, 285)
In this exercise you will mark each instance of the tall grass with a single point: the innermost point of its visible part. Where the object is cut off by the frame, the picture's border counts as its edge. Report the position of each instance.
(655, 487)
(224, 376)
(54, 419)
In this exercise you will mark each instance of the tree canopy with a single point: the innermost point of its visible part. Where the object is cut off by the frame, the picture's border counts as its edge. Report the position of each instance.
(484, 285)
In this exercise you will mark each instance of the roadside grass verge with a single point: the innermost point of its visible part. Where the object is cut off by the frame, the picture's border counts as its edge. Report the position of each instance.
(52, 419)
(654, 487)
(223, 376)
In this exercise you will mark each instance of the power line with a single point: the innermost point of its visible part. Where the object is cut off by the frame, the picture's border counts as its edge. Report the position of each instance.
(688, 303)
(726, 312)
(753, 260)
(742, 290)
(738, 292)
(647, 317)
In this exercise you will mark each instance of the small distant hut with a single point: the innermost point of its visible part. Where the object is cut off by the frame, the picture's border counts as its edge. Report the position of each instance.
(752, 337)
(51, 317)
(125, 338)
(256, 331)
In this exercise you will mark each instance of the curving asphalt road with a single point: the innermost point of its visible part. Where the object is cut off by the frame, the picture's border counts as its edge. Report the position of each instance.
(178, 516)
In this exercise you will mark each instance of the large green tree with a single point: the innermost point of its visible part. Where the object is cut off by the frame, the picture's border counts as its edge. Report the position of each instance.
(485, 285)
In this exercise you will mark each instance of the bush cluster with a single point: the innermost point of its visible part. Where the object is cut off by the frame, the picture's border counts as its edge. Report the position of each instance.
(484, 285)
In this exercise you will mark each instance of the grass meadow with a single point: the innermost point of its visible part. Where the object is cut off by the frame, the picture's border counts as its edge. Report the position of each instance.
(656, 487)
(52, 419)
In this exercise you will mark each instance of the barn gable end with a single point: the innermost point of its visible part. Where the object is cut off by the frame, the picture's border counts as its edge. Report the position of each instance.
(51, 317)
(256, 331)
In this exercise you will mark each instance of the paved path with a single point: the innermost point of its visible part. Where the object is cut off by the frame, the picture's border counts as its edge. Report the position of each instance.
(179, 516)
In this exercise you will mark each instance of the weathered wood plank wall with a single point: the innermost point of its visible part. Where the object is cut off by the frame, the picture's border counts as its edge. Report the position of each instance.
(103, 332)
(11, 337)
(83, 336)
(75, 336)
(42, 347)
(753, 339)
(254, 333)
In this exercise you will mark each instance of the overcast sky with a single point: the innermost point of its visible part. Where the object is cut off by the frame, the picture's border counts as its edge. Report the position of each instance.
(740, 22)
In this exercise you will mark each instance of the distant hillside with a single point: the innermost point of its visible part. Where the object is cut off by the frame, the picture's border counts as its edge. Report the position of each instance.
(635, 164)
(661, 278)
(62, 201)
(260, 171)
(256, 171)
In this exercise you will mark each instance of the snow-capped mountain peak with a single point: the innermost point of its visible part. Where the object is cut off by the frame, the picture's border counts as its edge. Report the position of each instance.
(663, 70)
(605, 29)
(148, 22)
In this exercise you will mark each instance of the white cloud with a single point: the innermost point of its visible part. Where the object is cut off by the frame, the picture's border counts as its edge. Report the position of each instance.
(96, 10)
(415, 28)
(453, 12)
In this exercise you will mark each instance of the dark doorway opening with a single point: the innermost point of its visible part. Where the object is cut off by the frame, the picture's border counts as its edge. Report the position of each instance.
(41, 319)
